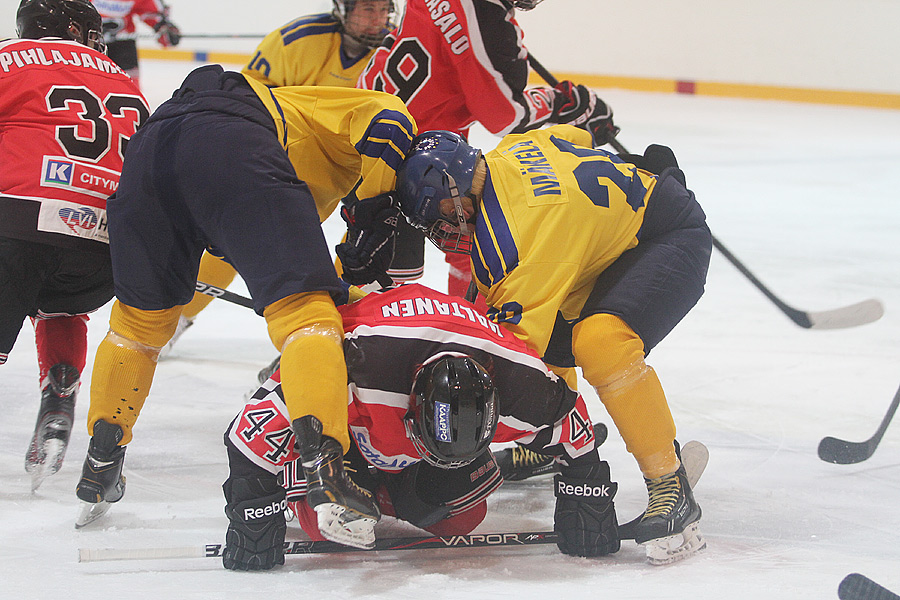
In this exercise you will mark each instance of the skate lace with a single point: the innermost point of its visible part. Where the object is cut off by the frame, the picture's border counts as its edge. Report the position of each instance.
(349, 468)
(664, 494)
(523, 457)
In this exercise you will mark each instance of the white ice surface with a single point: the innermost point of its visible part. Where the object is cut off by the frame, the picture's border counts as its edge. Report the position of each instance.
(806, 196)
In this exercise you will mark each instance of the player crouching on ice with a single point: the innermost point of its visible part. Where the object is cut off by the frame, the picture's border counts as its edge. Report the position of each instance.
(431, 383)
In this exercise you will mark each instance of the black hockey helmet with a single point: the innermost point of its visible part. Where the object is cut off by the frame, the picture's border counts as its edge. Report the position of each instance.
(76, 20)
(523, 4)
(343, 10)
(453, 411)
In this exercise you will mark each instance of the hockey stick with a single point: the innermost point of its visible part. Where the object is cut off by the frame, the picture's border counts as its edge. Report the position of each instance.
(853, 315)
(188, 36)
(216, 292)
(859, 587)
(842, 452)
(694, 454)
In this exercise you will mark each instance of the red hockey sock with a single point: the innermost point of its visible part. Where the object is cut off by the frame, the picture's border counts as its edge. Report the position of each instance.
(460, 274)
(307, 519)
(61, 340)
(462, 523)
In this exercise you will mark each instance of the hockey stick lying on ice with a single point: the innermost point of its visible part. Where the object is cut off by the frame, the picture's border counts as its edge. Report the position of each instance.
(859, 587)
(694, 455)
(853, 315)
(842, 452)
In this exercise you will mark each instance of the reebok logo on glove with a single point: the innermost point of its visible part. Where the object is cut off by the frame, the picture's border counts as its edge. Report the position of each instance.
(581, 490)
(252, 513)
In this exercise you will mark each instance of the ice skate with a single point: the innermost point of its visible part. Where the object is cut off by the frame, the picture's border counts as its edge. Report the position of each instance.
(669, 529)
(183, 324)
(54, 424)
(268, 370)
(102, 482)
(346, 513)
(520, 463)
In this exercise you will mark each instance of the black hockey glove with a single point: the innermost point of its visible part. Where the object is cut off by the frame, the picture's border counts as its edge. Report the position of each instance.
(600, 124)
(408, 501)
(371, 233)
(256, 525)
(585, 517)
(573, 103)
(167, 33)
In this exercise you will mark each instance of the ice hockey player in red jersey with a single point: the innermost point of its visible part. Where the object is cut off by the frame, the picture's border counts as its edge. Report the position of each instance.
(431, 383)
(455, 62)
(120, 30)
(66, 113)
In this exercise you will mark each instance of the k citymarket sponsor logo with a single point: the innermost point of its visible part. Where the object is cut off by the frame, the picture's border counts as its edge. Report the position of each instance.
(65, 173)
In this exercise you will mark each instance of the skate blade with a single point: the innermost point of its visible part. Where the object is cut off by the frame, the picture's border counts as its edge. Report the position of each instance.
(339, 524)
(664, 551)
(47, 463)
(90, 512)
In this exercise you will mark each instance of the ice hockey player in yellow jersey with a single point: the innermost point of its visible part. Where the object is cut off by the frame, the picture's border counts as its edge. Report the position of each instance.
(328, 49)
(592, 259)
(248, 172)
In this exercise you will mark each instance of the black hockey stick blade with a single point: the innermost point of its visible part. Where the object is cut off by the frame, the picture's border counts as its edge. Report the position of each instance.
(842, 452)
(859, 587)
(853, 315)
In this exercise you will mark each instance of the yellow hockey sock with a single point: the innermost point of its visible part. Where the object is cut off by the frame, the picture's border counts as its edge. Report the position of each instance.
(125, 363)
(308, 330)
(611, 357)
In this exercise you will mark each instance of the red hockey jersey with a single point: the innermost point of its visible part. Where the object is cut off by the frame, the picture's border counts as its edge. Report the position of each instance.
(454, 62)
(66, 114)
(119, 16)
(387, 336)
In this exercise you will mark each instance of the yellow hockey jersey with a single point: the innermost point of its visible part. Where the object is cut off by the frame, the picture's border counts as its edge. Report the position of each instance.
(306, 51)
(555, 213)
(343, 142)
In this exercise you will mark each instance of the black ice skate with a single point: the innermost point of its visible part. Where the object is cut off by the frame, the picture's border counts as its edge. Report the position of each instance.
(54, 424)
(520, 463)
(670, 527)
(346, 513)
(102, 482)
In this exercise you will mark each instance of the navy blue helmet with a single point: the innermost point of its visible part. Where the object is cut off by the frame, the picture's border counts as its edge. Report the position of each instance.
(453, 411)
(439, 166)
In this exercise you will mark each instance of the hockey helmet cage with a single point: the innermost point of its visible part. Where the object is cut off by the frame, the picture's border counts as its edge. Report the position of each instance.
(440, 165)
(342, 11)
(453, 411)
(523, 4)
(76, 20)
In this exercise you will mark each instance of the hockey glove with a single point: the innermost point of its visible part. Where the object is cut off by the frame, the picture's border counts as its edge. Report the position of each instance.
(573, 103)
(167, 34)
(585, 517)
(600, 124)
(371, 234)
(256, 525)
(407, 501)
